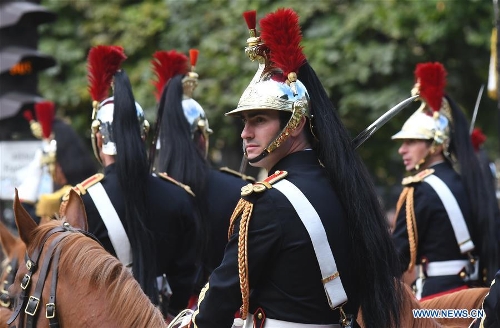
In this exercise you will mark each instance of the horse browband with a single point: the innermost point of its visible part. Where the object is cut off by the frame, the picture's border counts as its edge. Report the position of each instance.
(52, 254)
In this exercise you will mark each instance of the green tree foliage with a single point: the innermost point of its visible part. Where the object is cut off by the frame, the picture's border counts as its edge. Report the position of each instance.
(364, 52)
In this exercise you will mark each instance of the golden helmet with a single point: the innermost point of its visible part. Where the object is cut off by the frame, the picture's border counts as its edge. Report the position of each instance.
(433, 119)
(275, 85)
(103, 63)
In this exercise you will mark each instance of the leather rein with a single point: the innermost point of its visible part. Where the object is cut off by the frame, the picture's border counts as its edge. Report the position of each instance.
(52, 255)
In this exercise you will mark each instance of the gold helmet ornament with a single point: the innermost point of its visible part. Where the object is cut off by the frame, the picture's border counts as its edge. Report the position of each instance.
(194, 113)
(102, 63)
(275, 85)
(166, 65)
(432, 120)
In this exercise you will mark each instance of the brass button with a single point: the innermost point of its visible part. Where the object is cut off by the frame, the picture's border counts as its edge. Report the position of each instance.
(259, 187)
(246, 190)
(462, 275)
(259, 316)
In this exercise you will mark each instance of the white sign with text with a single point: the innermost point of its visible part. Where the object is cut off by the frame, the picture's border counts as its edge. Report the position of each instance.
(14, 157)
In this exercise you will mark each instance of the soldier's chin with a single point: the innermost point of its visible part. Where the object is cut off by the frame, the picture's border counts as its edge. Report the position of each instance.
(259, 163)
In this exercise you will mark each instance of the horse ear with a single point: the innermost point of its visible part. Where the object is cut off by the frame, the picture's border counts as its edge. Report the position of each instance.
(24, 222)
(75, 211)
(7, 240)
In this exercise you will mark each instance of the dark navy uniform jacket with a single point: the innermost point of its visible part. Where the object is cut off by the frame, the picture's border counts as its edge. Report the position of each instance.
(170, 220)
(223, 193)
(284, 274)
(436, 238)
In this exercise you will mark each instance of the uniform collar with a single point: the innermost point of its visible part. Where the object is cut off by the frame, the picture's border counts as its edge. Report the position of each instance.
(304, 157)
(110, 168)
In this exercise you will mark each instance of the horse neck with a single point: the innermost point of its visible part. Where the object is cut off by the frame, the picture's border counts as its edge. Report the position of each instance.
(96, 290)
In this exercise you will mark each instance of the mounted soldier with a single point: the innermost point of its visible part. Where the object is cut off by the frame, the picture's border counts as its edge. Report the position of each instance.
(141, 219)
(445, 214)
(309, 245)
(182, 153)
(62, 162)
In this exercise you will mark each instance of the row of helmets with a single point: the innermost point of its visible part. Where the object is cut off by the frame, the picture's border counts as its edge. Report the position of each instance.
(275, 86)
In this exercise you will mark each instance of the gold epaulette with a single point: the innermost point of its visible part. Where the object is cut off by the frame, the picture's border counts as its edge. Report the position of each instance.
(82, 187)
(263, 185)
(237, 174)
(48, 204)
(417, 177)
(168, 178)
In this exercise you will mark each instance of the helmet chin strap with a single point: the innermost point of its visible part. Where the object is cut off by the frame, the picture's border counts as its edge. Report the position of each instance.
(258, 158)
(426, 157)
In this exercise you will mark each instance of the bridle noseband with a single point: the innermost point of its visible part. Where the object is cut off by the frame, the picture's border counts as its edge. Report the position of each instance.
(52, 255)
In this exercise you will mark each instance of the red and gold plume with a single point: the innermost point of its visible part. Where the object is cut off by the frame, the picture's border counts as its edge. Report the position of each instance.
(281, 33)
(478, 138)
(167, 64)
(45, 112)
(102, 63)
(431, 78)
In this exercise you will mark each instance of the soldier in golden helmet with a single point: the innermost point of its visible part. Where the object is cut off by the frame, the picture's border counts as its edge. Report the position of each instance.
(182, 153)
(137, 217)
(444, 218)
(309, 245)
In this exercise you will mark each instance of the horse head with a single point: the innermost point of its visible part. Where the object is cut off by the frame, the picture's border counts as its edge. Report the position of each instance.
(64, 263)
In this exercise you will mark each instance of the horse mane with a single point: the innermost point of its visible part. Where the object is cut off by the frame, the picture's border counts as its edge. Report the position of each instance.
(126, 303)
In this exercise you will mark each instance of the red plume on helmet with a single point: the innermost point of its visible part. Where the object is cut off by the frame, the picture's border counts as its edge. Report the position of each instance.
(281, 33)
(432, 80)
(193, 58)
(102, 63)
(251, 19)
(45, 112)
(478, 138)
(167, 64)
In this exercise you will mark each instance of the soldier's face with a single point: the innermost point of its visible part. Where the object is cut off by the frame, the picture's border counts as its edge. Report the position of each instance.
(413, 151)
(261, 128)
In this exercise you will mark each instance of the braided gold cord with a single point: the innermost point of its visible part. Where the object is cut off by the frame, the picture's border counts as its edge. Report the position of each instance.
(401, 200)
(236, 213)
(243, 258)
(411, 226)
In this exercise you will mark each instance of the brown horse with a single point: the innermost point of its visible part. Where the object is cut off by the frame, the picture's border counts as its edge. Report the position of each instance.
(93, 289)
(468, 299)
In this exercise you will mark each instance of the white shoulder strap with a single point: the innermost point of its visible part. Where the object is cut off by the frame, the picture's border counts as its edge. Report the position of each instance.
(331, 279)
(454, 213)
(111, 220)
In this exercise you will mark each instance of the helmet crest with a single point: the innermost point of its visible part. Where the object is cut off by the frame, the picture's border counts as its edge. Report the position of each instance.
(102, 63)
(45, 112)
(282, 35)
(167, 64)
(431, 81)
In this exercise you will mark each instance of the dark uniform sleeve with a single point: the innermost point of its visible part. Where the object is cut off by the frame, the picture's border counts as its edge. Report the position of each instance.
(221, 297)
(422, 200)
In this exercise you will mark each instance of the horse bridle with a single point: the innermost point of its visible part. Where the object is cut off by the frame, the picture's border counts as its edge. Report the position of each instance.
(52, 256)
(10, 270)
